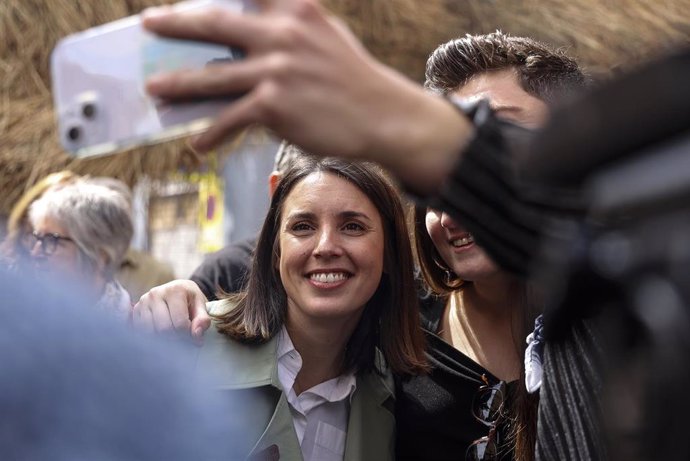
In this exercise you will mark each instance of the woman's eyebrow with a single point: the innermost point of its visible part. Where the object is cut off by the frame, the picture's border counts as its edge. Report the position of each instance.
(353, 214)
(346, 214)
(300, 215)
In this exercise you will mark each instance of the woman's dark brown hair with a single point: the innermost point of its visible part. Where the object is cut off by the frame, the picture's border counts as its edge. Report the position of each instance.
(437, 276)
(390, 320)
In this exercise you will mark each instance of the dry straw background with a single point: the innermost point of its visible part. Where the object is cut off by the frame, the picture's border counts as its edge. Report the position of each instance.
(606, 36)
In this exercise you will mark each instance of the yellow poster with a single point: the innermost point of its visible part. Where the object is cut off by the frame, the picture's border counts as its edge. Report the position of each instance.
(211, 208)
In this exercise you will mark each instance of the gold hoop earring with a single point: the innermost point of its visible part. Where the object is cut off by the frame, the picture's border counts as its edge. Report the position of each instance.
(452, 281)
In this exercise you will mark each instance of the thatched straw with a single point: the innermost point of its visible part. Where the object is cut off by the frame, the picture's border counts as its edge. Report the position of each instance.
(28, 31)
(603, 35)
(402, 33)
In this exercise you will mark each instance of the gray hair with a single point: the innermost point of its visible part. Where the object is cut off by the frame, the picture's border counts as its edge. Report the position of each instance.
(286, 156)
(112, 183)
(96, 217)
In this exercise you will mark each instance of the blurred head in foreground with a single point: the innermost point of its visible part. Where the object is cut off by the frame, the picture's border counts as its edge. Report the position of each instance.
(76, 386)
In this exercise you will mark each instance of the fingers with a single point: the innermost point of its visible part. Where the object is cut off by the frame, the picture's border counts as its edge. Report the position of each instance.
(278, 5)
(176, 306)
(213, 24)
(151, 313)
(200, 320)
(142, 319)
(290, 57)
(224, 26)
(178, 313)
(264, 5)
(235, 78)
(231, 120)
(215, 80)
(196, 314)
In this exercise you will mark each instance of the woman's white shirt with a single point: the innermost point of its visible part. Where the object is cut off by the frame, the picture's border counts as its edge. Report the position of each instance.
(320, 414)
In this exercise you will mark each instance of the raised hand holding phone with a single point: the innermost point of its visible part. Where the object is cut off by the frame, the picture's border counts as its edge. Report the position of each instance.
(307, 78)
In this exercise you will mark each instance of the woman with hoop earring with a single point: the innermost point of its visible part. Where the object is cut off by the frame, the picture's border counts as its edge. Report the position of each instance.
(475, 317)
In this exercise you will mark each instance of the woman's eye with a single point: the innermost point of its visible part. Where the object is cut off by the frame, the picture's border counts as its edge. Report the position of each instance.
(300, 227)
(353, 227)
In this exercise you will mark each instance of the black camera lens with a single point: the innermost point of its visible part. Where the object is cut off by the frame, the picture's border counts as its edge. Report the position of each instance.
(88, 110)
(74, 133)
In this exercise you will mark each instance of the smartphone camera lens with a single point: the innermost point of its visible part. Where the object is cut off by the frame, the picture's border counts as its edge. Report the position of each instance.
(88, 110)
(74, 133)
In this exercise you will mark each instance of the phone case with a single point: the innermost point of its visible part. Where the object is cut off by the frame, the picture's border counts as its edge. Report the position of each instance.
(98, 80)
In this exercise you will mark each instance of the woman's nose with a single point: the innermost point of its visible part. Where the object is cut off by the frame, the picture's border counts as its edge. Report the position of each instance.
(327, 244)
(37, 249)
(448, 222)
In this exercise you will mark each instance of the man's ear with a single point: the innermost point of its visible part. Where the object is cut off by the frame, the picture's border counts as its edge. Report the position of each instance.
(273, 180)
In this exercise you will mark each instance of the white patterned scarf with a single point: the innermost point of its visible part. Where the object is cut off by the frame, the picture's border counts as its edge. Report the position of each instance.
(115, 301)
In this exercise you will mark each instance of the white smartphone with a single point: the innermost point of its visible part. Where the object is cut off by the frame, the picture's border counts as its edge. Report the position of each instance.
(98, 78)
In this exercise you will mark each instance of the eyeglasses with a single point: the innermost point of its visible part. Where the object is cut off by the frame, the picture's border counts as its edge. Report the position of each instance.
(27, 240)
(487, 408)
(49, 241)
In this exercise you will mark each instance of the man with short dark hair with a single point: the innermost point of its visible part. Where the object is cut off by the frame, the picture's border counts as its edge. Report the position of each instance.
(542, 71)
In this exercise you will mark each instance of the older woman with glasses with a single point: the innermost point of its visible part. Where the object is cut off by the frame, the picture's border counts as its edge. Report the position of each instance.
(16, 247)
(81, 232)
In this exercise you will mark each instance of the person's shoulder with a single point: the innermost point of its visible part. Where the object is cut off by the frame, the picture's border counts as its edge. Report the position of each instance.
(225, 270)
(233, 364)
(247, 246)
(242, 250)
(147, 263)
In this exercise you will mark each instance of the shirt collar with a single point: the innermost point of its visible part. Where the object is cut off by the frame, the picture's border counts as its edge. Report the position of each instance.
(290, 363)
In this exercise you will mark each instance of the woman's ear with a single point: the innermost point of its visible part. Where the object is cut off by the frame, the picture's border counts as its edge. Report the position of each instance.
(273, 180)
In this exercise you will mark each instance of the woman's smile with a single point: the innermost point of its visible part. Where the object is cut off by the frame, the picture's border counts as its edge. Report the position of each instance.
(329, 279)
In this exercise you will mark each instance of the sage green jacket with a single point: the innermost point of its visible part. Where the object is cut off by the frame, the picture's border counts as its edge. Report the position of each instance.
(249, 376)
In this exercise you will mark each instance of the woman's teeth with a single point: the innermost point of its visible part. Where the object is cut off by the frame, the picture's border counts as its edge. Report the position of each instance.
(328, 278)
(463, 241)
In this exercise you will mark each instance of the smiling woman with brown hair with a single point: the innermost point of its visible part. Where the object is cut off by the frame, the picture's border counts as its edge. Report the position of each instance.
(329, 296)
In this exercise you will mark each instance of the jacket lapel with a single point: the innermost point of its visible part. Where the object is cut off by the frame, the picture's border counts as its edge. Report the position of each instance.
(279, 433)
(371, 428)
(251, 372)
